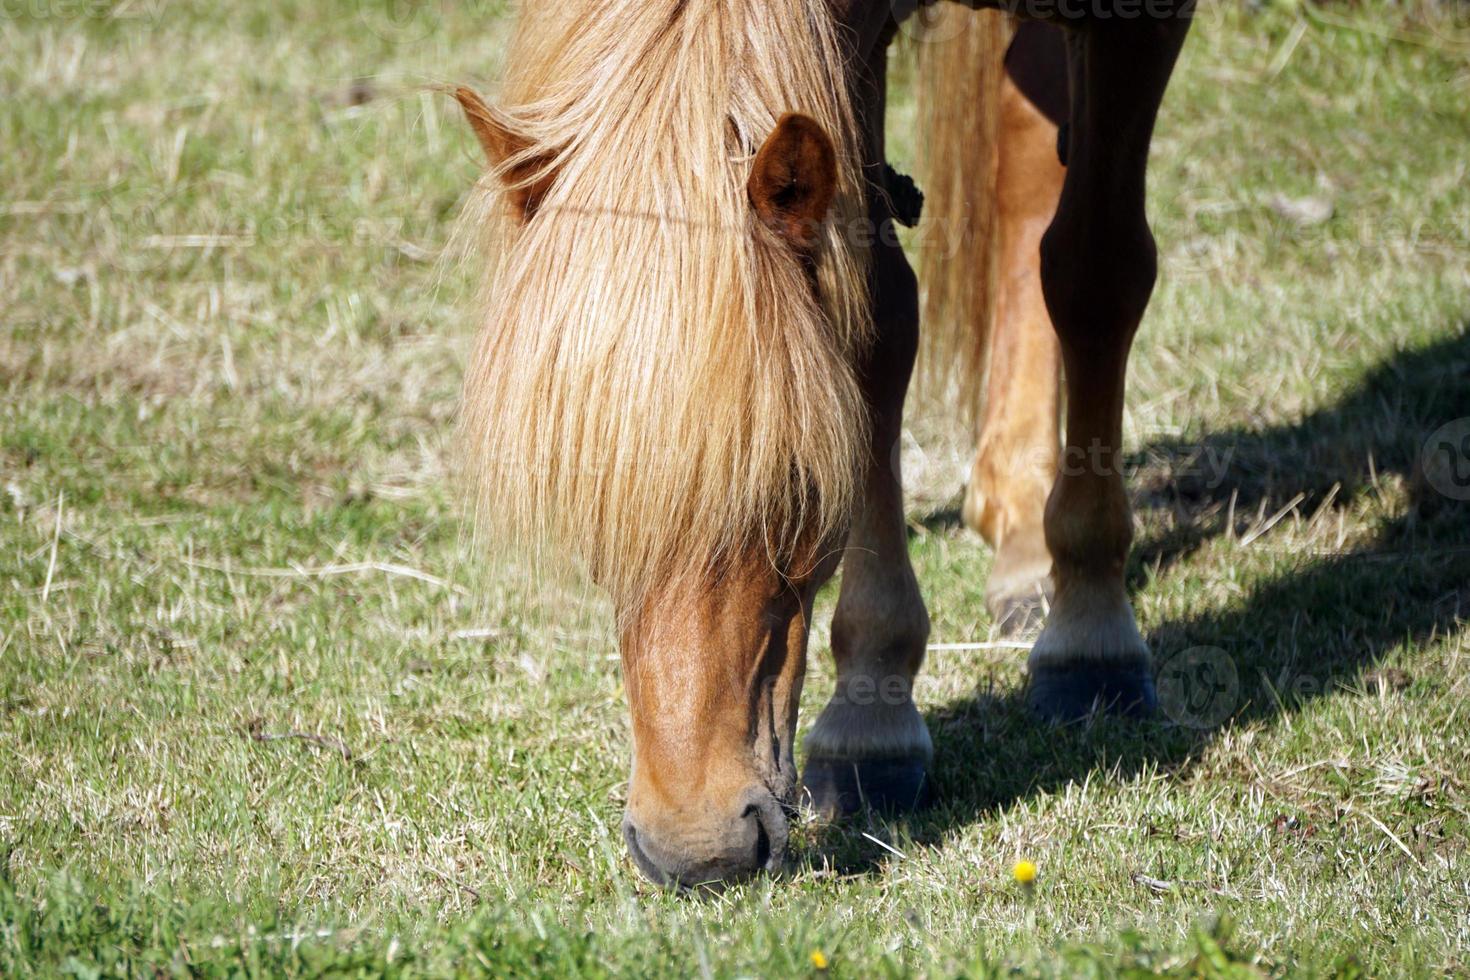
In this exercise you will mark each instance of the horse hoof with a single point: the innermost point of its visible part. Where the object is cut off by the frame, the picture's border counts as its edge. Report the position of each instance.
(1070, 692)
(840, 788)
(1018, 615)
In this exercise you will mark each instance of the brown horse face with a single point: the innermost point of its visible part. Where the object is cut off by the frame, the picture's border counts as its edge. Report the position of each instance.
(714, 671)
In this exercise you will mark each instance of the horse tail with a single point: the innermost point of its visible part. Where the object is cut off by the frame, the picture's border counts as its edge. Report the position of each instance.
(960, 70)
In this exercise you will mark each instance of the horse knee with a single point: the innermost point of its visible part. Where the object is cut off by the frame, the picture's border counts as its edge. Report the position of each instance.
(1097, 277)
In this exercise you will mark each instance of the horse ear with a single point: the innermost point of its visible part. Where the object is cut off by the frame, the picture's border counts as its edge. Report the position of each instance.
(526, 183)
(793, 180)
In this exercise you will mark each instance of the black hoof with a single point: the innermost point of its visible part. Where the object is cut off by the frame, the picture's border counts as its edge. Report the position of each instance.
(1069, 692)
(841, 788)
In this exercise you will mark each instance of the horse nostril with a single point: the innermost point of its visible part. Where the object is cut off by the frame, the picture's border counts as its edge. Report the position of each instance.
(762, 842)
(770, 831)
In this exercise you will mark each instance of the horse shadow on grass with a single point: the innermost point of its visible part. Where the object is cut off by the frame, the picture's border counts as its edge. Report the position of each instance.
(1323, 623)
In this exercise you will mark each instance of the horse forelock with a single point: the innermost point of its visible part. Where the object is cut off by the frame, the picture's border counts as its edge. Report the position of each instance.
(655, 383)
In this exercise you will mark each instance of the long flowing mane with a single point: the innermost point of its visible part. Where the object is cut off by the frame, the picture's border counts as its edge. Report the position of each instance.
(655, 384)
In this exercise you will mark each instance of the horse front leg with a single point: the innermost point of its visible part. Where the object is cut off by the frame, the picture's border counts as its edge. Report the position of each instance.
(870, 745)
(1098, 265)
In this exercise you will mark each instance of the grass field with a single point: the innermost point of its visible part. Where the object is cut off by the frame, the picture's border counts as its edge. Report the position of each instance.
(262, 710)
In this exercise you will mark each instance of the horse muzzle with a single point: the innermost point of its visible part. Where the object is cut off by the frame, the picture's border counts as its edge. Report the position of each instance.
(684, 851)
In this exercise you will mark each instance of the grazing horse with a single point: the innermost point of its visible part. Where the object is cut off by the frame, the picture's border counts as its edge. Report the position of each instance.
(698, 338)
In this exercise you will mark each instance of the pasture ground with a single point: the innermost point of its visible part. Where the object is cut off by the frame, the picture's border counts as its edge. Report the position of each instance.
(261, 711)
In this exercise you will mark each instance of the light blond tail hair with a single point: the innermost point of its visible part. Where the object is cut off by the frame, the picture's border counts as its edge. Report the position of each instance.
(655, 384)
(961, 65)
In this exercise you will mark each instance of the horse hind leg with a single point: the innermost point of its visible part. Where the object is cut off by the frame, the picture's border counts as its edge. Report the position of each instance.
(1098, 264)
(1019, 433)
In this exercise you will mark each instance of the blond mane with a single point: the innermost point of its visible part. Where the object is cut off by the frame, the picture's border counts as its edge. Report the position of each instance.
(654, 385)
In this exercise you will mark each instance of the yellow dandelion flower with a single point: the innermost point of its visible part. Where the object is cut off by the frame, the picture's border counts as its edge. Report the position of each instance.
(819, 959)
(1024, 872)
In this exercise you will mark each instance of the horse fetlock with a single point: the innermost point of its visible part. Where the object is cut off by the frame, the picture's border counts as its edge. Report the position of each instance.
(878, 632)
(1088, 523)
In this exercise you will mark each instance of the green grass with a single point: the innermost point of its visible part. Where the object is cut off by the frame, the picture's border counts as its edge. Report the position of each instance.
(237, 737)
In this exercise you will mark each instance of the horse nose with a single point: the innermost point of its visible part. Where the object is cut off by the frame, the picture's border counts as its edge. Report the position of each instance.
(687, 855)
